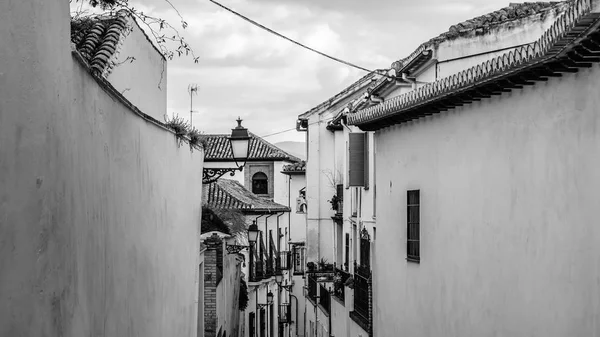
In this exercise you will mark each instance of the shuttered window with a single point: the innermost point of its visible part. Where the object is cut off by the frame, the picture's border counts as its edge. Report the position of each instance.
(358, 162)
(413, 226)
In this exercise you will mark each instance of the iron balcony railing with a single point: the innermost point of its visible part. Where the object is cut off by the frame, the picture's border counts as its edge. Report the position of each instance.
(362, 285)
(325, 299)
(339, 284)
(312, 287)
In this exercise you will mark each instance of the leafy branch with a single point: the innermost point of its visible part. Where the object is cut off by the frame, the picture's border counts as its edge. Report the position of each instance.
(163, 33)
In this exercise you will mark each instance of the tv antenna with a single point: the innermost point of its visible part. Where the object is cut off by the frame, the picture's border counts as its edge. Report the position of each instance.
(192, 89)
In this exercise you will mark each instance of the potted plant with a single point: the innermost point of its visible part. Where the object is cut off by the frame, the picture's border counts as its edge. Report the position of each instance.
(335, 202)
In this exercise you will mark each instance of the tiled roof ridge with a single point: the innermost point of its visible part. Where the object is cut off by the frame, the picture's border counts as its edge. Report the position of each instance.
(543, 48)
(276, 152)
(277, 148)
(296, 167)
(348, 89)
(455, 30)
(99, 38)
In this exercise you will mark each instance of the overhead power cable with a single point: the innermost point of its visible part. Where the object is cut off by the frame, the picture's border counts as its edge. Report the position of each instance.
(290, 40)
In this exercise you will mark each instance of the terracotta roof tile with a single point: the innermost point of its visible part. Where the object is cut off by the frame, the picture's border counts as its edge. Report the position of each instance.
(295, 168)
(229, 194)
(220, 150)
(573, 29)
(98, 39)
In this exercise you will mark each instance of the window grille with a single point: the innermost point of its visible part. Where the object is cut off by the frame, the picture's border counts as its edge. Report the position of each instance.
(413, 226)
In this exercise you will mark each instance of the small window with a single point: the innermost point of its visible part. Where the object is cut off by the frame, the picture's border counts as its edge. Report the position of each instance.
(260, 183)
(413, 249)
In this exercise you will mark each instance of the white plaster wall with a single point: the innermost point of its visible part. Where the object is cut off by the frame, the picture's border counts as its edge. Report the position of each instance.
(509, 236)
(142, 80)
(99, 232)
(318, 191)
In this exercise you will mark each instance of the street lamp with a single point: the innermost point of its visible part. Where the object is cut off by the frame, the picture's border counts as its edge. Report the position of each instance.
(239, 143)
(279, 278)
(253, 232)
(252, 237)
(269, 298)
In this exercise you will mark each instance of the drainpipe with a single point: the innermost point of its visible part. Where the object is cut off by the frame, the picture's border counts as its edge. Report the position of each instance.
(375, 99)
(290, 212)
(296, 321)
(410, 80)
(278, 238)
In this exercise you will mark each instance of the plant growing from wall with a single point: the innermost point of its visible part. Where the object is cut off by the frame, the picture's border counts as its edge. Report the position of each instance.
(243, 299)
(186, 134)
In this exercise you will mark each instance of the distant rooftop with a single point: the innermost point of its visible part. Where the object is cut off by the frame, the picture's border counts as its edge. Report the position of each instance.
(229, 194)
(220, 150)
(299, 167)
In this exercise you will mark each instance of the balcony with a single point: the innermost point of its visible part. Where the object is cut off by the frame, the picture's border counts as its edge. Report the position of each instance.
(325, 299)
(312, 288)
(285, 313)
(362, 298)
(339, 284)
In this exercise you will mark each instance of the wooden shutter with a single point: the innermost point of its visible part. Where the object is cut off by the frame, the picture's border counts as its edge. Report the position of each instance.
(366, 161)
(356, 159)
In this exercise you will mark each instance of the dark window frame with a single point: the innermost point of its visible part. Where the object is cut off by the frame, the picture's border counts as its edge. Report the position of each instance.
(262, 179)
(413, 226)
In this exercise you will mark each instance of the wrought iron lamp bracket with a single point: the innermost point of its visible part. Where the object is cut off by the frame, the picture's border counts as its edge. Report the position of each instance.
(261, 305)
(210, 175)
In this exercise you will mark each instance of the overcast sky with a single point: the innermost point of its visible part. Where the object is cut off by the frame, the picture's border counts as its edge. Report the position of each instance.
(244, 71)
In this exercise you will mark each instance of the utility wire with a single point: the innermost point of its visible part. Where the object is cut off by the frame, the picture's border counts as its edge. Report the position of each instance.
(278, 132)
(290, 40)
(292, 129)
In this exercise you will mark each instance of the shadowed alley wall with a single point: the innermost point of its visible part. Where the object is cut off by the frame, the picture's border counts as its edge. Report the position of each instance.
(99, 228)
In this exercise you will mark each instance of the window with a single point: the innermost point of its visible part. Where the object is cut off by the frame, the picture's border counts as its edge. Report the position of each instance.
(298, 254)
(260, 183)
(413, 251)
(347, 256)
(251, 325)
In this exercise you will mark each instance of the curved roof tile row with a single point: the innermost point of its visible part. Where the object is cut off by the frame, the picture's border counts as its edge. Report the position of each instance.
(220, 150)
(545, 47)
(98, 39)
(514, 11)
(295, 168)
(229, 194)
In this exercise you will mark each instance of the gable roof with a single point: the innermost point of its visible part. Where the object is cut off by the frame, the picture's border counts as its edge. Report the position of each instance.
(229, 194)
(99, 38)
(570, 43)
(479, 25)
(220, 150)
(351, 89)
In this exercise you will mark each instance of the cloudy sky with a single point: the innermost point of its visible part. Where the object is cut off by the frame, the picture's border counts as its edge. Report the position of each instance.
(245, 71)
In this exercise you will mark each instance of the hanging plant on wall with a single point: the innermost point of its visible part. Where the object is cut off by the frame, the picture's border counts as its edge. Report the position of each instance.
(335, 202)
(243, 300)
